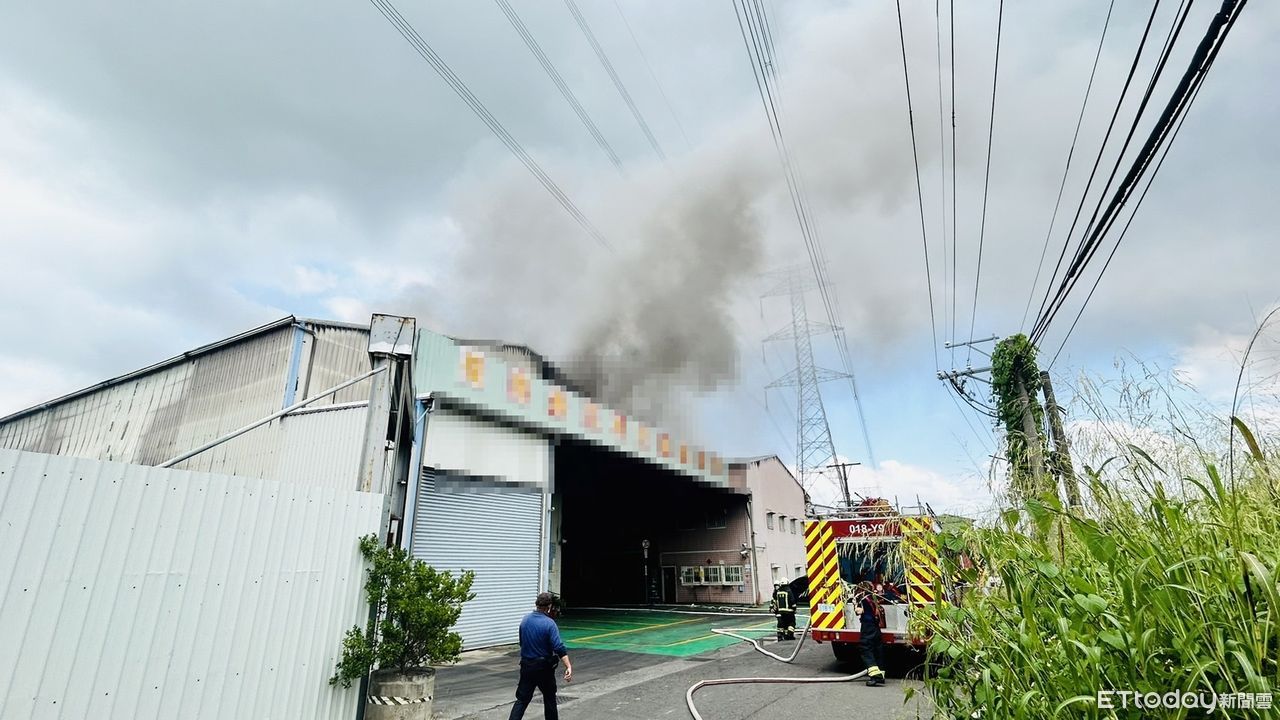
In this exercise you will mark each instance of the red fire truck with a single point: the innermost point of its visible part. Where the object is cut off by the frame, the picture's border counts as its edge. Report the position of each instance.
(894, 551)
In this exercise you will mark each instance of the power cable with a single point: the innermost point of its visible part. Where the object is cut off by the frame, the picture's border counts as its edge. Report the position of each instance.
(1086, 246)
(1198, 84)
(765, 54)
(613, 75)
(982, 232)
(955, 189)
(752, 21)
(942, 166)
(972, 401)
(1124, 91)
(981, 441)
(1202, 59)
(1066, 170)
(915, 156)
(406, 30)
(661, 91)
(514, 18)
(763, 19)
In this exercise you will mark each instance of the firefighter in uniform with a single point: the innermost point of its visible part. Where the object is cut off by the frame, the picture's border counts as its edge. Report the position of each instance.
(784, 606)
(869, 632)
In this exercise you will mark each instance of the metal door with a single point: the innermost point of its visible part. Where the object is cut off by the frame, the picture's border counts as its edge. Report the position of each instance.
(493, 530)
(669, 585)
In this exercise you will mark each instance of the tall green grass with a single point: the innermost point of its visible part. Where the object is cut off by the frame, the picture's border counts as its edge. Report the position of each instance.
(1164, 582)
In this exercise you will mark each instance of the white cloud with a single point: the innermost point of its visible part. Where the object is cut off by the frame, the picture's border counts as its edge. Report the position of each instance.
(907, 485)
(349, 309)
(29, 383)
(311, 281)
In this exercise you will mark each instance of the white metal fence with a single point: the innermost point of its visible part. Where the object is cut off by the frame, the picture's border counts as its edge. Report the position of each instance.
(135, 592)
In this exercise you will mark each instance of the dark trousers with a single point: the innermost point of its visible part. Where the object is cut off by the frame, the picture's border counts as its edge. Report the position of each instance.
(787, 624)
(538, 674)
(873, 654)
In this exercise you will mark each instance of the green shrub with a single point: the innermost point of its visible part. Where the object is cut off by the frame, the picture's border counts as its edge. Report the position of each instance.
(414, 606)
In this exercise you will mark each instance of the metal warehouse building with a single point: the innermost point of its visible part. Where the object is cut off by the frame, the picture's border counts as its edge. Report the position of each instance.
(485, 459)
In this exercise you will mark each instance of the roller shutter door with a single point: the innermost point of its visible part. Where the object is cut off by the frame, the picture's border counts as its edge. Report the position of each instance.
(492, 529)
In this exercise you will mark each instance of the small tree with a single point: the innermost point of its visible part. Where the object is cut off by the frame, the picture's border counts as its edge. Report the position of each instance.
(414, 607)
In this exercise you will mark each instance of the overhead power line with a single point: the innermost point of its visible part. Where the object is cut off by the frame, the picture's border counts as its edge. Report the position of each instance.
(1066, 170)
(644, 58)
(753, 24)
(955, 189)
(1115, 114)
(1083, 249)
(1159, 137)
(514, 18)
(986, 185)
(767, 57)
(915, 157)
(406, 30)
(1195, 87)
(942, 166)
(613, 75)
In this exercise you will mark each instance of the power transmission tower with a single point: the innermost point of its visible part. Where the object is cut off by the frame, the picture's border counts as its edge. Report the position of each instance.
(814, 447)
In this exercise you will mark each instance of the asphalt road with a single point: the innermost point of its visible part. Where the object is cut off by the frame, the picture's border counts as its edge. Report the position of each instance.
(613, 684)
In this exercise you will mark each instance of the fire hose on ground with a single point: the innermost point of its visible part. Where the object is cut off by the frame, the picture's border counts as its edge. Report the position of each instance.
(688, 696)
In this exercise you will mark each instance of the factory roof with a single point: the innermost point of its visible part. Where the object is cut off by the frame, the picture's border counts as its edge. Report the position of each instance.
(176, 359)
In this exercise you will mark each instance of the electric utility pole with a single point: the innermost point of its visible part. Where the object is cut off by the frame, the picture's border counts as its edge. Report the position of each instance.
(1062, 467)
(958, 378)
(843, 469)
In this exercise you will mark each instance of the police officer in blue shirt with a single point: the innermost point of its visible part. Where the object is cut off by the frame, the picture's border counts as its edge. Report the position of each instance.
(541, 649)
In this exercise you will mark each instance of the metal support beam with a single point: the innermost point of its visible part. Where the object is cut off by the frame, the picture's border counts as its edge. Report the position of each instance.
(948, 344)
(956, 374)
(259, 423)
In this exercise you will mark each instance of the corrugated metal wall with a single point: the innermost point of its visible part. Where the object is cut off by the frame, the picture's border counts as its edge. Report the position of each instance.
(333, 354)
(149, 419)
(313, 448)
(135, 592)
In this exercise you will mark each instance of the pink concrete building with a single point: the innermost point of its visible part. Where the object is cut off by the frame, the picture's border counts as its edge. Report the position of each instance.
(732, 552)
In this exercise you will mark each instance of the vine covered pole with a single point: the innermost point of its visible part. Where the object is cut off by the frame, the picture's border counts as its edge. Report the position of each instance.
(1031, 435)
(1061, 462)
(1015, 383)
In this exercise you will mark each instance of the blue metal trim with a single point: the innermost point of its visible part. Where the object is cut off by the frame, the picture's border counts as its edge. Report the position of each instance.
(415, 472)
(295, 363)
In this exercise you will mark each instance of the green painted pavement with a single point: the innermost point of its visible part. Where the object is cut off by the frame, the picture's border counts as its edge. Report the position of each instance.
(655, 633)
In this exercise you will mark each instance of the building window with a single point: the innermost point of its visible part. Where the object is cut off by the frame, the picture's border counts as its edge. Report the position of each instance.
(799, 572)
(712, 575)
(688, 521)
(776, 572)
(691, 575)
(794, 523)
(732, 574)
(782, 523)
(768, 520)
(717, 519)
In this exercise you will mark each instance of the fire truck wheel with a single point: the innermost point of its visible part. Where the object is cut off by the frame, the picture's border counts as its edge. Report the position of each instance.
(848, 653)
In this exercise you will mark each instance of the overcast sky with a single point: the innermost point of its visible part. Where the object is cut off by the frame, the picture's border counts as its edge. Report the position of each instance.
(173, 173)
